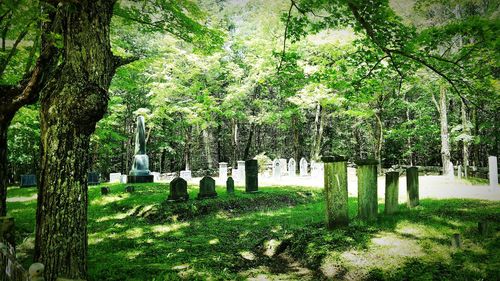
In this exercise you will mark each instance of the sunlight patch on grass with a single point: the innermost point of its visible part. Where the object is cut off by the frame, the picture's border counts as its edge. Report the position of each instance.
(23, 198)
(104, 200)
(214, 241)
(134, 233)
(118, 216)
(166, 228)
(133, 254)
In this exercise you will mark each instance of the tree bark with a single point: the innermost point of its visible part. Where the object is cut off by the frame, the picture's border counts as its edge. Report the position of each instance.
(208, 149)
(445, 137)
(4, 125)
(465, 142)
(234, 142)
(72, 102)
(318, 132)
(246, 153)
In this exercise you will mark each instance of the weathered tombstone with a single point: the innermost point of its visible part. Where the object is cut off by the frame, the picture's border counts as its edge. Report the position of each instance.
(493, 171)
(230, 185)
(140, 165)
(222, 171)
(235, 174)
(456, 241)
(337, 208)
(459, 172)
(303, 167)
(252, 176)
(317, 169)
(412, 187)
(115, 177)
(367, 189)
(123, 179)
(451, 171)
(276, 169)
(241, 170)
(391, 192)
(292, 168)
(284, 170)
(93, 178)
(178, 190)
(186, 175)
(156, 176)
(105, 190)
(28, 180)
(207, 188)
(130, 189)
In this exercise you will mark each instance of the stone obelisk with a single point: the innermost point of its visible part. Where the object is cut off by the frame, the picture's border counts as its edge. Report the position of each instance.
(140, 165)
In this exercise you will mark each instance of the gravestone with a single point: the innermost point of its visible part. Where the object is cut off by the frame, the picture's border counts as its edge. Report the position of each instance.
(123, 179)
(93, 178)
(105, 190)
(207, 188)
(283, 167)
(115, 177)
(241, 170)
(493, 171)
(130, 189)
(367, 189)
(28, 180)
(303, 167)
(336, 194)
(235, 174)
(276, 169)
(230, 185)
(451, 171)
(186, 175)
(459, 172)
(252, 176)
(317, 169)
(178, 190)
(292, 168)
(222, 171)
(156, 176)
(391, 192)
(412, 187)
(140, 165)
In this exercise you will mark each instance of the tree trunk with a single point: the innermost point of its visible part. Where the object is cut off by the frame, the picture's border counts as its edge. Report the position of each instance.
(379, 141)
(246, 154)
(465, 142)
(234, 142)
(4, 125)
(187, 150)
(72, 102)
(318, 133)
(208, 149)
(445, 137)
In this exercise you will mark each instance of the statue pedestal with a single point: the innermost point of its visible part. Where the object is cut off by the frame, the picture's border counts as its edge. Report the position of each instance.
(140, 179)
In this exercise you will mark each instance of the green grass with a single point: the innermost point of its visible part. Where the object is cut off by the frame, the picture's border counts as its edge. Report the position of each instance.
(278, 232)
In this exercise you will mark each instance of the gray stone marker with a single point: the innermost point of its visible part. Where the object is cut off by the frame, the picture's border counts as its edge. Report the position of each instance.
(93, 178)
(140, 165)
(459, 172)
(283, 166)
(105, 190)
(276, 169)
(252, 176)
(230, 185)
(115, 177)
(412, 187)
(292, 168)
(207, 188)
(123, 179)
(493, 171)
(391, 192)
(156, 176)
(130, 189)
(336, 195)
(303, 167)
(367, 189)
(28, 180)
(178, 190)
(222, 171)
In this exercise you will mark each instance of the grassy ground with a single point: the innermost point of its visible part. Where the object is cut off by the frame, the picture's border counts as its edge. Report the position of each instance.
(277, 234)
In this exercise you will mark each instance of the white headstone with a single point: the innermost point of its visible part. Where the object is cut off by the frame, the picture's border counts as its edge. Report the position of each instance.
(186, 175)
(114, 177)
(241, 170)
(451, 171)
(156, 176)
(236, 175)
(123, 179)
(223, 171)
(292, 167)
(283, 166)
(276, 168)
(317, 169)
(459, 172)
(493, 171)
(303, 167)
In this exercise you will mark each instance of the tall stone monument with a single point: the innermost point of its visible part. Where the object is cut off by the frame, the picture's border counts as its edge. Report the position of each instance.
(252, 176)
(292, 167)
(222, 171)
(493, 171)
(140, 166)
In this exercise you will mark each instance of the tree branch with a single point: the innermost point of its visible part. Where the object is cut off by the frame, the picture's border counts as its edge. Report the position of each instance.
(121, 61)
(285, 36)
